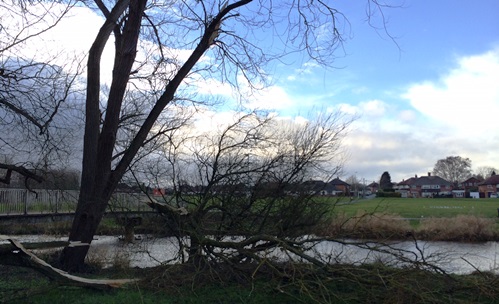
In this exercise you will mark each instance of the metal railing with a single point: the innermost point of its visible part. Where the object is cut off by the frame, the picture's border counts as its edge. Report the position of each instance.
(23, 201)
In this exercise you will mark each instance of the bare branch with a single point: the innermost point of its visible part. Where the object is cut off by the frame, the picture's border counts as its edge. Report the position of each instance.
(19, 169)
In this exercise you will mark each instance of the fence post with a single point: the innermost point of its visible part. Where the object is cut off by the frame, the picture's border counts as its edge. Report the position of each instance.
(26, 202)
(57, 196)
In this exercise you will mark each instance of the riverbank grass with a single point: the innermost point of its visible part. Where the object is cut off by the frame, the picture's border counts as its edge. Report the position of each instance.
(417, 208)
(344, 283)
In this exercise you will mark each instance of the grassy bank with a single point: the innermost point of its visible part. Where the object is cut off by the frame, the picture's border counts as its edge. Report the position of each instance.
(466, 220)
(437, 219)
(444, 219)
(417, 208)
(178, 284)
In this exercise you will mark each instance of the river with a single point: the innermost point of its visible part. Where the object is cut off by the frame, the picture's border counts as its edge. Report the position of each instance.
(459, 258)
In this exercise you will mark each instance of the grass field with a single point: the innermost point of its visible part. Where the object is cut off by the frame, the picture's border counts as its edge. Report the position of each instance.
(422, 207)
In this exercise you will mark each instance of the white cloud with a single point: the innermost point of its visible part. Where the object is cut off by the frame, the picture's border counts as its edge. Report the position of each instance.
(455, 115)
(269, 98)
(464, 98)
(213, 86)
(373, 107)
(407, 116)
(349, 109)
(67, 42)
(304, 71)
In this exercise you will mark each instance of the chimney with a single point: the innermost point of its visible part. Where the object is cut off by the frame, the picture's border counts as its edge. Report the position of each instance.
(429, 173)
(415, 176)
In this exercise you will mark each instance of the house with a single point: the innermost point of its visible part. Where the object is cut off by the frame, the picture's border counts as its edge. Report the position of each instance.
(424, 186)
(404, 187)
(336, 187)
(466, 187)
(489, 187)
(373, 187)
(470, 184)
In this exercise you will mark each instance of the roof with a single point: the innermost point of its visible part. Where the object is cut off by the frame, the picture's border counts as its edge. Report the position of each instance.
(472, 179)
(425, 180)
(493, 180)
(406, 182)
(338, 182)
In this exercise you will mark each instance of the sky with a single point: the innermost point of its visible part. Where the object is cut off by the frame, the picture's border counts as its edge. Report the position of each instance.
(430, 92)
(424, 88)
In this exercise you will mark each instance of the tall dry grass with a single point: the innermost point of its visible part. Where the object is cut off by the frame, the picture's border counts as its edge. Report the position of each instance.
(463, 228)
(369, 226)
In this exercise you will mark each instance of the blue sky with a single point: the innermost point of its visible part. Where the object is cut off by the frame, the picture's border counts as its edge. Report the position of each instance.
(430, 92)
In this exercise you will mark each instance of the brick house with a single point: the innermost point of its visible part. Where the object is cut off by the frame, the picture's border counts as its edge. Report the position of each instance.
(464, 188)
(373, 187)
(336, 187)
(471, 184)
(489, 187)
(424, 186)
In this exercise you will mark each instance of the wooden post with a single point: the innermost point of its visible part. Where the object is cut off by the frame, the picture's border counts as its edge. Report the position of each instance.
(26, 202)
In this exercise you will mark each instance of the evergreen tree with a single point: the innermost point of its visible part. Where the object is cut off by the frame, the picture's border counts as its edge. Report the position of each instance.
(385, 182)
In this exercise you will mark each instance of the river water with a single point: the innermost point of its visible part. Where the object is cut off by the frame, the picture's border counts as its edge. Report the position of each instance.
(460, 258)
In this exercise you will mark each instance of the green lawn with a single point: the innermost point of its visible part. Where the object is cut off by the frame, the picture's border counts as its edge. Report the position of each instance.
(423, 207)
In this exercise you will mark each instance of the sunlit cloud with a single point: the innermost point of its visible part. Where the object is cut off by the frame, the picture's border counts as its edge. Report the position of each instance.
(446, 117)
(306, 70)
(373, 108)
(466, 96)
(269, 98)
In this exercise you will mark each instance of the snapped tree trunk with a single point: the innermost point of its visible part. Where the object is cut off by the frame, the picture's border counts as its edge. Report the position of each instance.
(88, 215)
(16, 254)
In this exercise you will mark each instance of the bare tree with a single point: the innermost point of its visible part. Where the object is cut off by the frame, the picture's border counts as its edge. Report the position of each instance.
(485, 172)
(37, 98)
(248, 182)
(225, 40)
(455, 169)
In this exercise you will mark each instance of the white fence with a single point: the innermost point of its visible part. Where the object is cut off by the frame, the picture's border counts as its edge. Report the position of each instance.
(22, 201)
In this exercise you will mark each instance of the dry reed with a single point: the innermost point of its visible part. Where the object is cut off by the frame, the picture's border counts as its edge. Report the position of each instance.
(464, 228)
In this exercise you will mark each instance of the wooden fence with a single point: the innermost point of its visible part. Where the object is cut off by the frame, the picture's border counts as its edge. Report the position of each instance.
(22, 201)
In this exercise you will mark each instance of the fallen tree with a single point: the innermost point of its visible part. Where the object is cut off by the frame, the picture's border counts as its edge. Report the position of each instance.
(16, 254)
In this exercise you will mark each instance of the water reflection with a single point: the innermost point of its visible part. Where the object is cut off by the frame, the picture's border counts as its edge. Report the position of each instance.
(451, 257)
(461, 258)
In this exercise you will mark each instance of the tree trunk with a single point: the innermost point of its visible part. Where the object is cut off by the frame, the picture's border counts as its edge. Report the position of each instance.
(17, 255)
(195, 252)
(98, 179)
(88, 215)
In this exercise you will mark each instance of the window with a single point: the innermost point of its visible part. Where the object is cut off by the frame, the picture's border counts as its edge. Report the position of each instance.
(430, 187)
